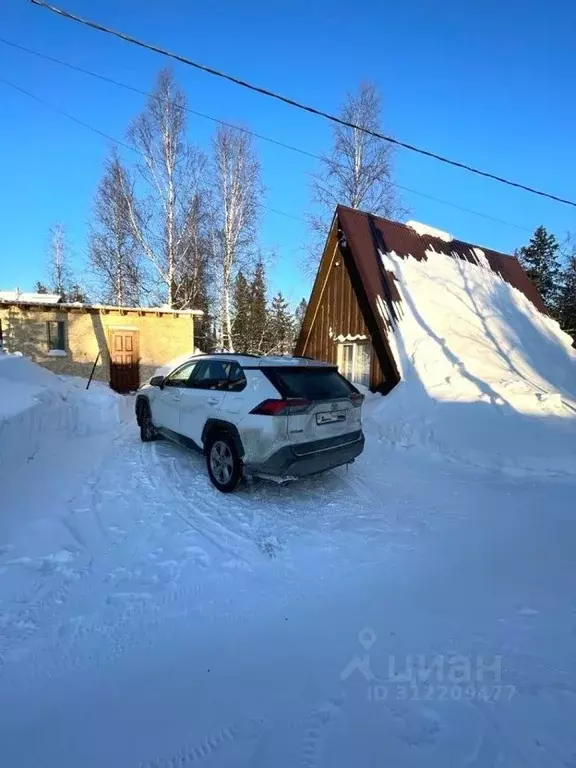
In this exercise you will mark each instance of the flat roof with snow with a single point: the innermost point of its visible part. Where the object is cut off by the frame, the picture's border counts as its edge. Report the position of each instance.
(10, 298)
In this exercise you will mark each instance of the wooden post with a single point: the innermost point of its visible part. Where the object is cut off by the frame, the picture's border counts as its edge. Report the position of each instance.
(93, 369)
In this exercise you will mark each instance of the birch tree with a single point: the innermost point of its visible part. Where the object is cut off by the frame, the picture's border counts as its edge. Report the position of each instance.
(58, 260)
(358, 170)
(164, 218)
(237, 195)
(60, 276)
(114, 253)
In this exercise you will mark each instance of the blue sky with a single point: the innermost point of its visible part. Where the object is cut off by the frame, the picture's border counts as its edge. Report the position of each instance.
(487, 83)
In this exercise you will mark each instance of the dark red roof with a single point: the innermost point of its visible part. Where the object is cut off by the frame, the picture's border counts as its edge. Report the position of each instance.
(365, 233)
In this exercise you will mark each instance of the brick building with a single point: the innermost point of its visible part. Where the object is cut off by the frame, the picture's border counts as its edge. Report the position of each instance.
(128, 342)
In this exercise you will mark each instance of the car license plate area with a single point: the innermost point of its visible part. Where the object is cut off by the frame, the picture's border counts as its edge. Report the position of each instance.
(329, 418)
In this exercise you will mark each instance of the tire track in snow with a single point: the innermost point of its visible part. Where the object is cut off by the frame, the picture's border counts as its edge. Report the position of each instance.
(315, 725)
(91, 585)
(208, 746)
(49, 598)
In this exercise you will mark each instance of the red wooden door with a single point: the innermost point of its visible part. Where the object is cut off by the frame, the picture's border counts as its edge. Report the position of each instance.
(124, 360)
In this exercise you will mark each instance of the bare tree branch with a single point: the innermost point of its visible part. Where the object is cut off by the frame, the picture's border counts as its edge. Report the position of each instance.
(358, 171)
(60, 277)
(171, 172)
(237, 194)
(114, 253)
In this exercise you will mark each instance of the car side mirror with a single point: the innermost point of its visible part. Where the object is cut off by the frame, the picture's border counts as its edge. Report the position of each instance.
(157, 381)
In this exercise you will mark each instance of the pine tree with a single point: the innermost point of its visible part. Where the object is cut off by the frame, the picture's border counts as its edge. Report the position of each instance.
(40, 287)
(76, 293)
(242, 314)
(204, 332)
(258, 313)
(299, 316)
(567, 300)
(540, 260)
(281, 325)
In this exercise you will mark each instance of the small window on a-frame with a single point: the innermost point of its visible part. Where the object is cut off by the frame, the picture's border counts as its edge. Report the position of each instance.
(354, 361)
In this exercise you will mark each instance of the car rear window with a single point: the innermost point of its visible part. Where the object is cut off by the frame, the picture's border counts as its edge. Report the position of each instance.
(312, 383)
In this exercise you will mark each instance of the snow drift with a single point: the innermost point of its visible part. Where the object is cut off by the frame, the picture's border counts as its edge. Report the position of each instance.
(36, 406)
(486, 378)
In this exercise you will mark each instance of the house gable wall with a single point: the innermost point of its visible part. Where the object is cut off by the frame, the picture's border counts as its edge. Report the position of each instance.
(334, 313)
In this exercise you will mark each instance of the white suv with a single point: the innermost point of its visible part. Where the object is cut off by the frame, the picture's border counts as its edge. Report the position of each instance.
(275, 417)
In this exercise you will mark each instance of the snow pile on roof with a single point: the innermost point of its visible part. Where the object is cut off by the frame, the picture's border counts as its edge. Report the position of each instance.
(486, 377)
(28, 296)
(36, 406)
(424, 229)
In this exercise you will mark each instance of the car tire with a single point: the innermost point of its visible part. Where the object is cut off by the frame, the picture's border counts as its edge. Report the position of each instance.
(223, 462)
(148, 431)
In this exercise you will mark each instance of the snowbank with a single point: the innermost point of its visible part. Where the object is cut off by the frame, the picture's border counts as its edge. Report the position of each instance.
(36, 405)
(486, 378)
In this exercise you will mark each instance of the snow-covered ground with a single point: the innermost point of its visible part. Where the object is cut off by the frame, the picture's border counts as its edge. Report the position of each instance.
(411, 611)
(418, 609)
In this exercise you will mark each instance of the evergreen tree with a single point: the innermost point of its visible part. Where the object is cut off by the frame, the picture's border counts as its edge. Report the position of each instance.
(75, 293)
(567, 300)
(540, 260)
(242, 314)
(258, 312)
(204, 331)
(299, 316)
(281, 326)
(40, 287)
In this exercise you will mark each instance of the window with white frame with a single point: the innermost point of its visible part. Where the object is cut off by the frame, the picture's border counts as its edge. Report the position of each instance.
(354, 361)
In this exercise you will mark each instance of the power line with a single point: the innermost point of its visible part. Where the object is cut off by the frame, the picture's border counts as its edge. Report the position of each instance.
(131, 147)
(260, 136)
(67, 114)
(299, 105)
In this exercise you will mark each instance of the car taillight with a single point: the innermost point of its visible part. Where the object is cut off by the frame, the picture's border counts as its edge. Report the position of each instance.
(277, 407)
(356, 399)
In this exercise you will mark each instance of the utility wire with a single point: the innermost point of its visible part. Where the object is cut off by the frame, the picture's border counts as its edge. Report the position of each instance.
(299, 105)
(260, 136)
(131, 147)
(67, 114)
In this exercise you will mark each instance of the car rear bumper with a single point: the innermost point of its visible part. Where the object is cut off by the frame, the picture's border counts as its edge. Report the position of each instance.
(311, 458)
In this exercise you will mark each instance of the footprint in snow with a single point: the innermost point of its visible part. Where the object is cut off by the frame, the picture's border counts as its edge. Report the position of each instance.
(116, 530)
(418, 728)
(56, 563)
(198, 555)
(236, 565)
(270, 546)
(120, 598)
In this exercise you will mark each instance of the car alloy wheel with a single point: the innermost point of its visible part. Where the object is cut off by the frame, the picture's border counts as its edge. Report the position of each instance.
(221, 461)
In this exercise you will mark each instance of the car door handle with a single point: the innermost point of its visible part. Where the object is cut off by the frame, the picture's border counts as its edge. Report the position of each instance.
(176, 397)
(213, 401)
